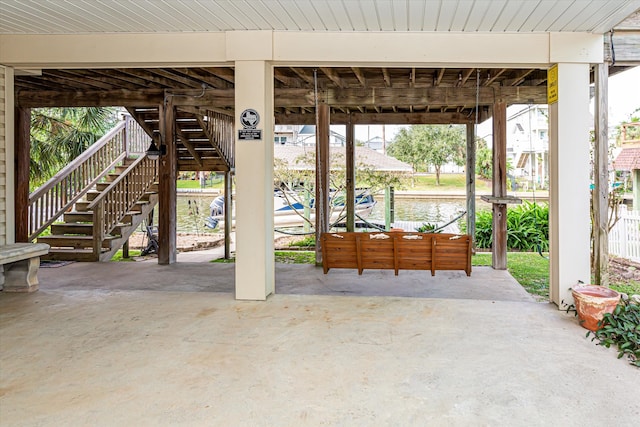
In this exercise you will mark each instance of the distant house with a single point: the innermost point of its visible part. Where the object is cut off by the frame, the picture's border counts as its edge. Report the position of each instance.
(303, 136)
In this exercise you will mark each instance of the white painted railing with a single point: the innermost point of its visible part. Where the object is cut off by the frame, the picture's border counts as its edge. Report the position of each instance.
(624, 237)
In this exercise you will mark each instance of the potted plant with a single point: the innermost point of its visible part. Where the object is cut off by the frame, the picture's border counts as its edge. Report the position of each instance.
(592, 302)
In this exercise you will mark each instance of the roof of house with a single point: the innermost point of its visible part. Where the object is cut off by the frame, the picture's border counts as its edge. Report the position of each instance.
(290, 154)
(628, 159)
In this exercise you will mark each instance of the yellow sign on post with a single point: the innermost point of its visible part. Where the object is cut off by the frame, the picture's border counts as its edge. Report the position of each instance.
(552, 85)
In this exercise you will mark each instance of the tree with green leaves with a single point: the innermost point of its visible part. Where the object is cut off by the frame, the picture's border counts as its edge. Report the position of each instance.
(59, 135)
(297, 180)
(484, 159)
(430, 145)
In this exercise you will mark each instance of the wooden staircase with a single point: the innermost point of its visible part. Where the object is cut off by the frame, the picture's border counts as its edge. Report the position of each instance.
(92, 206)
(73, 238)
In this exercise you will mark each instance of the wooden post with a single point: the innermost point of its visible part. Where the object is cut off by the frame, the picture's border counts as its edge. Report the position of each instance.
(471, 183)
(499, 250)
(228, 213)
(351, 176)
(600, 194)
(22, 165)
(322, 176)
(167, 186)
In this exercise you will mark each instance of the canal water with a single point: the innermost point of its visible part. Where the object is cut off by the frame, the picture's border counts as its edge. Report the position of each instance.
(193, 209)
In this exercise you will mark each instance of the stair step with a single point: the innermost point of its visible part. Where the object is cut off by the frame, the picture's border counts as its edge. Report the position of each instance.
(111, 177)
(101, 186)
(82, 206)
(60, 254)
(120, 169)
(77, 242)
(72, 228)
(75, 217)
(138, 206)
(92, 195)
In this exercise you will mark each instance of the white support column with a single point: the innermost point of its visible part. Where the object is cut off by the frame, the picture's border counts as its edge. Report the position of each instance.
(569, 220)
(255, 265)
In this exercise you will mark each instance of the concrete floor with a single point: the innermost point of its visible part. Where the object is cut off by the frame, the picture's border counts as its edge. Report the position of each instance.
(146, 345)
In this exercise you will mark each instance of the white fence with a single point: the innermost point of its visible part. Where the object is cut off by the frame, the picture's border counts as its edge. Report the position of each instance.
(624, 237)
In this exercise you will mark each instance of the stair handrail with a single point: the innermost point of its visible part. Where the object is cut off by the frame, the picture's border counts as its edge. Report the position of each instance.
(220, 129)
(117, 200)
(48, 202)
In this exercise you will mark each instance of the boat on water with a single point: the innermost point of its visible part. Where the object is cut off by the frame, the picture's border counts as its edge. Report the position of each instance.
(289, 209)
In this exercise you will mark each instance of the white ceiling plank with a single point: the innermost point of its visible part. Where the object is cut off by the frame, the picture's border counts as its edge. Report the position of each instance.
(309, 15)
(492, 14)
(340, 15)
(237, 11)
(545, 11)
(370, 15)
(477, 13)
(102, 16)
(508, 14)
(146, 17)
(209, 19)
(432, 15)
(325, 11)
(553, 10)
(274, 15)
(589, 19)
(384, 12)
(399, 9)
(303, 13)
(520, 16)
(461, 16)
(354, 14)
(192, 13)
(416, 15)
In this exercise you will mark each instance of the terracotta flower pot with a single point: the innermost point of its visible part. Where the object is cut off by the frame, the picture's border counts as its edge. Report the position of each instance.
(592, 302)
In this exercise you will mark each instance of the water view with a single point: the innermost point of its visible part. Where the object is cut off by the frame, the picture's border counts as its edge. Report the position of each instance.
(193, 209)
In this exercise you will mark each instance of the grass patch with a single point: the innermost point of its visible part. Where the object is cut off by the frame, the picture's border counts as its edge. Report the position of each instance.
(195, 184)
(630, 288)
(528, 268)
(305, 242)
(448, 182)
(132, 253)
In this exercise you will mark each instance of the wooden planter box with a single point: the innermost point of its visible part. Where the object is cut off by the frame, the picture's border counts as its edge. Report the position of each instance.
(396, 251)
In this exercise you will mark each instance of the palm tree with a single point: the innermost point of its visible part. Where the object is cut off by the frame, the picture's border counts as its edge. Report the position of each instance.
(59, 135)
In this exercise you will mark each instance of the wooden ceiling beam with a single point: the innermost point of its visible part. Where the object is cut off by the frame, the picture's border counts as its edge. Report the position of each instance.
(466, 75)
(386, 77)
(519, 78)
(360, 76)
(438, 75)
(493, 78)
(290, 98)
(414, 118)
(302, 73)
(333, 76)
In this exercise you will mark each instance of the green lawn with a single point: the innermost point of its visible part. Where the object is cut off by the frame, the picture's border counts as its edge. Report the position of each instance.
(532, 272)
(218, 184)
(528, 268)
(449, 182)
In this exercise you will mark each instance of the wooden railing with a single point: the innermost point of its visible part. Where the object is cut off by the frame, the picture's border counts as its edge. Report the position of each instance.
(220, 130)
(137, 140)
(56, 196)
(110, 207)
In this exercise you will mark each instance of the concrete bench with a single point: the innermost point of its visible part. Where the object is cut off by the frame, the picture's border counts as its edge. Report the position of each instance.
(19, 263)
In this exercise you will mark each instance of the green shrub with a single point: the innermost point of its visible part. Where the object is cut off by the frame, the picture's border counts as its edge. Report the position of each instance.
(527, 228)
(621, 329)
